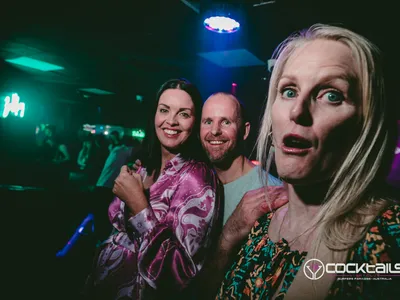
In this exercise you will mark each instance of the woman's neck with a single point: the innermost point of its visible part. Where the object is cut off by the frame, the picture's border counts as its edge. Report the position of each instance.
(304, 203)
(166, 155)
(295, 221)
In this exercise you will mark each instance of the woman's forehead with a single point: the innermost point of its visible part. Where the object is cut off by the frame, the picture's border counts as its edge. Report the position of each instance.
(318, 54)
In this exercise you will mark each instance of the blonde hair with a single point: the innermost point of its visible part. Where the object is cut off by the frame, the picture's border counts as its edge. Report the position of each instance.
(354, 197)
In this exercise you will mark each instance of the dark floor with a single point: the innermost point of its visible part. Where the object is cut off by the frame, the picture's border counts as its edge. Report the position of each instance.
(36, 225)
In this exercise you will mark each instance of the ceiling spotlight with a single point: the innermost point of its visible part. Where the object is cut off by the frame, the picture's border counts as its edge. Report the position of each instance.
(222, 16)
(221, 24)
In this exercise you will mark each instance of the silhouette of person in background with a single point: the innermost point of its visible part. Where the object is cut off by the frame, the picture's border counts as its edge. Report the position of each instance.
(54, 158)
(103, 195)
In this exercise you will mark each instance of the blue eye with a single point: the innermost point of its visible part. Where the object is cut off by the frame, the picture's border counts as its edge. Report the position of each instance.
(333, 96)
(289, 93)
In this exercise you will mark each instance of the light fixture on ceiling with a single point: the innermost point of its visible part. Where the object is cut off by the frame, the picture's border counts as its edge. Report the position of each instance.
(221, 24)
(262, 3)
(34, 64)
(221, 16)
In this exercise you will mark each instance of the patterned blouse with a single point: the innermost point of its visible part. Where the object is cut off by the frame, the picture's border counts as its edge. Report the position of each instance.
(163, 247)
(262, 265)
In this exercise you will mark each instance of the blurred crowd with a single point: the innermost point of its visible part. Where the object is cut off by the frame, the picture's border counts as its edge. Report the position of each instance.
(95, 164)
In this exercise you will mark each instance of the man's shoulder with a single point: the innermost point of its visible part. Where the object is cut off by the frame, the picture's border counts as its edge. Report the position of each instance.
(249, 181)
(258, 175)
(253, 179)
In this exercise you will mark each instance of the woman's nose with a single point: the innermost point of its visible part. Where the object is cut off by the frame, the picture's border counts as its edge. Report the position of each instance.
(171, 120)
(300, 112)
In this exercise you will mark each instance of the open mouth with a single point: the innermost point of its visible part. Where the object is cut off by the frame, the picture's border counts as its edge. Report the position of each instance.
(296, 141)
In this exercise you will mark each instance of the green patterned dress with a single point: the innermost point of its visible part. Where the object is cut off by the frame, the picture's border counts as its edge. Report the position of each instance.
(262, 265)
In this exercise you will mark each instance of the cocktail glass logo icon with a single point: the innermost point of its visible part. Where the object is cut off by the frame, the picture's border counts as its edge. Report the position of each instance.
(314, 269)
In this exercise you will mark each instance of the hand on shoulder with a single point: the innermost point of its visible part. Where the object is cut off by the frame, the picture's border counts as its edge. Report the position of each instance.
(254, 204)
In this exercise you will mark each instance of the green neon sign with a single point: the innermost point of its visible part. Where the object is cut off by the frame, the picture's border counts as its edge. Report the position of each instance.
(13, 106)
(138, 133)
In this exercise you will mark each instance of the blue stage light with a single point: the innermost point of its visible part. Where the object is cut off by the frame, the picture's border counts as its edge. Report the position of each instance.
(221, 24)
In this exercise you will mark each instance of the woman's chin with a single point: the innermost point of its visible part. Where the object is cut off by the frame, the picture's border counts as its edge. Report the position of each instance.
(295, 180)
(300, 179)
(174, 149)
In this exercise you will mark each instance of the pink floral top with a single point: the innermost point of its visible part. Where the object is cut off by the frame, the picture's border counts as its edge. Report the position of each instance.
(158, 251)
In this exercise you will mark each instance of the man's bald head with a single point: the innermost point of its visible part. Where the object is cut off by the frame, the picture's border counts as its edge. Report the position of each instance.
(226, 98)
(223, 127)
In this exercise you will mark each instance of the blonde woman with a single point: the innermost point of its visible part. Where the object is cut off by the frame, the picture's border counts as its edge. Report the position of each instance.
(330, 124)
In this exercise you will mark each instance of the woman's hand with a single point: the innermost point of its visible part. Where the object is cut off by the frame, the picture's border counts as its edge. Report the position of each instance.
(136, 166)
(129, 188)
(149, 180)
(253, 205)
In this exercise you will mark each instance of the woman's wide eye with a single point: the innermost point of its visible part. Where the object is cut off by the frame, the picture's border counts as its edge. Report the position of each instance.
(333, 96)
(289, 93)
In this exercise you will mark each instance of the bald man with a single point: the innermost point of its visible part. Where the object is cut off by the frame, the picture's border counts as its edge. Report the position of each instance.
(223, 132)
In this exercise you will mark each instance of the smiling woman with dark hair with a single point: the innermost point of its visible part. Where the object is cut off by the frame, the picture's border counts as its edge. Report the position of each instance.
(150, 152)
(164, 213)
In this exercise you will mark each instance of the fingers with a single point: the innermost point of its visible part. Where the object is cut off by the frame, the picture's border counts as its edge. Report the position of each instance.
(275, 198)
(124, 169)
(137, 176)
(127, 178)
(266, 198)
(279, 202)
(276, 192)
(115, 188)
(269, 192)
(253, 194)
(136, 165)
(269, 206)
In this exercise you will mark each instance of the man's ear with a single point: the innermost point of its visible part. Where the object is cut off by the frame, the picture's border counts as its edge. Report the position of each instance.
(246, 130)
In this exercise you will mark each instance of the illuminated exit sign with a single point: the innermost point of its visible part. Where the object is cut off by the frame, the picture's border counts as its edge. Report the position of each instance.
(13, 106)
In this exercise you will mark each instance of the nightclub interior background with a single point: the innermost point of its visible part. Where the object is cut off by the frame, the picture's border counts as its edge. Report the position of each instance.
(105, 62)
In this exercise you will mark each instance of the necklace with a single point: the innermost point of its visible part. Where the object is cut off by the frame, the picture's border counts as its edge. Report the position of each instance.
(296, 237)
